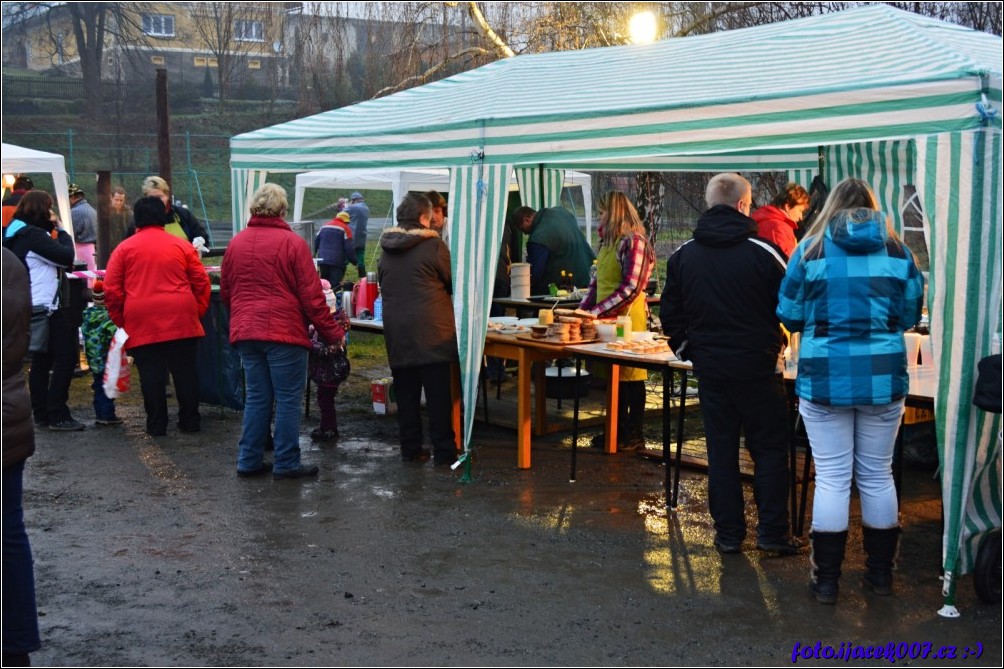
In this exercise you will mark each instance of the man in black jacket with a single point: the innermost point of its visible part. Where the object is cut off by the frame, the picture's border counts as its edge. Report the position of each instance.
(718, 310)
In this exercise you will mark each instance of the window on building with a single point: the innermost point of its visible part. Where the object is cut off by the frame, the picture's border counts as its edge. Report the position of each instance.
(214, 62)
(159, 25)
(200, 61)
(249, 31)
(157, 60)
(254, 64)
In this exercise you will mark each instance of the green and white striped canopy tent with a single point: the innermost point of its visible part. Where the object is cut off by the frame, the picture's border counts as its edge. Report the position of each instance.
(865, 75)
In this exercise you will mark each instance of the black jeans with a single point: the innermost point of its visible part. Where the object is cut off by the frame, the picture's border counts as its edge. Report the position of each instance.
(333, 273)
(631, 410)
(50, 392)
(154, 362)
(759, 408)
(408, 385)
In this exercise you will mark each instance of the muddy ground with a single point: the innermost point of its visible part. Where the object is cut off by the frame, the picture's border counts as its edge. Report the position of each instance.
(150, 551)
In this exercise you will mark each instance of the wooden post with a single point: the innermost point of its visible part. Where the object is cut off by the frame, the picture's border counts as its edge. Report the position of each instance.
(104, 217)
(163, 128)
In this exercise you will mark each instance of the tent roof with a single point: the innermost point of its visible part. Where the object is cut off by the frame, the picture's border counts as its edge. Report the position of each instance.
(20, 159)
(865, 73)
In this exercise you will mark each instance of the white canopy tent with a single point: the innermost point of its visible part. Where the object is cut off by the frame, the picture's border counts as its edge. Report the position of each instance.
(876, 75)
(400, 182)
(19, 160)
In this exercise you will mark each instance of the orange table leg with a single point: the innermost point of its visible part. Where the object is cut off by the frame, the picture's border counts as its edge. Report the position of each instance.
(523, 410)
(455, 392)
(613, 401)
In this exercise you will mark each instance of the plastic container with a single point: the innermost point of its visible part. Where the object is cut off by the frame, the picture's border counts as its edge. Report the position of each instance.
(624, 328)
(378, 308)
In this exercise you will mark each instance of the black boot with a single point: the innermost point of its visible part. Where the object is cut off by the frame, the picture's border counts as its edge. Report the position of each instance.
(827, 556)
(880, 554)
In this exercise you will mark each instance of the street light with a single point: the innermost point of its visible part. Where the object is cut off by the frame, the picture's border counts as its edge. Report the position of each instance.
(642, 27)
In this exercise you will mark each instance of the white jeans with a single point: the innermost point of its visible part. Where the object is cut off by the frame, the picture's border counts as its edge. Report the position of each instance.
(858, 441)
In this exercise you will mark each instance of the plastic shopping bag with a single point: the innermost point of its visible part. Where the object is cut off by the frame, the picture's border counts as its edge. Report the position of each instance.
(116, 380)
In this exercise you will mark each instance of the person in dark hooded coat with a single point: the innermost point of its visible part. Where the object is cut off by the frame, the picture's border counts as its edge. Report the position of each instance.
(718, 311)
(419, 330)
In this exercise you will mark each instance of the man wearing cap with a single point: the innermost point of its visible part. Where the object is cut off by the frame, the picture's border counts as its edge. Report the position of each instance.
(22, 184)
(334, 248)
(85, 226)
(359, 216)
(718, 308)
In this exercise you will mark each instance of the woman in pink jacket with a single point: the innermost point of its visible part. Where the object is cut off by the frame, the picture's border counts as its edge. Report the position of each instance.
(269, 283)
(157, 290)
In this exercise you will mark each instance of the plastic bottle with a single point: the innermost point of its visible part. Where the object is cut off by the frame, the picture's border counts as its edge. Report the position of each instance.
(378, 308)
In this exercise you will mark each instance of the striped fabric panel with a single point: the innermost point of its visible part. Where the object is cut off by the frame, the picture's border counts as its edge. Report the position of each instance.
(959, 180)
(767, 160)
(532, 180)
(887, 166)
(803, 177)
(243, 184)
(478, 198)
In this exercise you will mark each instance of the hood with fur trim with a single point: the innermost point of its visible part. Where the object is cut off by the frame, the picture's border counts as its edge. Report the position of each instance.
(399, 240)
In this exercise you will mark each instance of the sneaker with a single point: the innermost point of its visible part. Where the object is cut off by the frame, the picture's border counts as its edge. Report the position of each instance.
(317, 434)
(444, 461)
(68, 425)
(783, 546)
(728, 546)
(303, 471)
(114, 420)
(422, 455)
(264, 468)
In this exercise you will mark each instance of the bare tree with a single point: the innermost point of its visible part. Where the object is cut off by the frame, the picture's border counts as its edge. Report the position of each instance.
(231, 31)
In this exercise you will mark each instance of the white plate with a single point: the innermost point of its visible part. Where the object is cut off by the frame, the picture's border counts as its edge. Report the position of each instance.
(498, 321)
(528, 321)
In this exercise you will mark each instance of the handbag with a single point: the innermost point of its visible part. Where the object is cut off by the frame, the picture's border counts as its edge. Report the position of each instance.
(39, 341)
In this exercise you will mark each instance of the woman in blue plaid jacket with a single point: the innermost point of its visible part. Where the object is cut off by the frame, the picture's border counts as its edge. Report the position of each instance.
(852, 288)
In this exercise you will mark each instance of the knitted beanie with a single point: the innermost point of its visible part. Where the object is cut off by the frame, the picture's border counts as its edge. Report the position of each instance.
(98, 293)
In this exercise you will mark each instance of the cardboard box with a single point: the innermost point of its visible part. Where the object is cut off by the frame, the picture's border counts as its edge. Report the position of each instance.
(913, 416)
(384, 400)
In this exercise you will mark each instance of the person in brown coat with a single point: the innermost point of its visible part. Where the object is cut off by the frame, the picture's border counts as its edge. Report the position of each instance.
(20, 619)
(419, 330)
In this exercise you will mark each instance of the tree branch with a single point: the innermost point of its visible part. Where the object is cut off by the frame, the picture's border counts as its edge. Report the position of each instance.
(429, 73)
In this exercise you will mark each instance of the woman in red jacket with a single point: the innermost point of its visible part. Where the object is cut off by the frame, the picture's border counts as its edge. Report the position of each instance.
(269, 283)
(157, 290)
(778, 221)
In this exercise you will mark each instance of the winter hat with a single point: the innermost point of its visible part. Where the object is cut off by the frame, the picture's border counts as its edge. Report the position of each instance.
(98, 293)
(343, 216)
(356, 196)
(329, 295)
(74, 189)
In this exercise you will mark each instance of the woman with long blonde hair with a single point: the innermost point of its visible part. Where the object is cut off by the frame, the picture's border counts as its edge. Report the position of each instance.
(852, 289)
(624, 265)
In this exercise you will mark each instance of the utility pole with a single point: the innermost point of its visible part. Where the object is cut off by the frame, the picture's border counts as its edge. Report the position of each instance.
(163, 129)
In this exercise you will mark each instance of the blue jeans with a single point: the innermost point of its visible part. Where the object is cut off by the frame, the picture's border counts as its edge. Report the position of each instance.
(20, 618)
(853, 441)
(104, 408)
(276, 373)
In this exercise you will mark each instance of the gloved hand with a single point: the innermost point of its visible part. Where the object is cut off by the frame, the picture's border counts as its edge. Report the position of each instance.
(200, 245)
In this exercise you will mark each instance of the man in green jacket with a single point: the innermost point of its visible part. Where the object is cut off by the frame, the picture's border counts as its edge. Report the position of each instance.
(554, 245)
